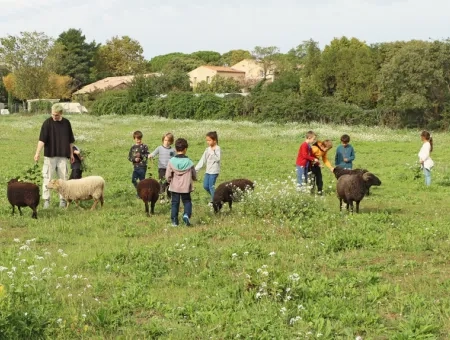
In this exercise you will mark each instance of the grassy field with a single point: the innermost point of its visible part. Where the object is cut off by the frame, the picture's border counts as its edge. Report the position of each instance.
(282, 265)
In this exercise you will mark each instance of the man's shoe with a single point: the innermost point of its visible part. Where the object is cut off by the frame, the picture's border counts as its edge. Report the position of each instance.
(46, 204)
(62, 203)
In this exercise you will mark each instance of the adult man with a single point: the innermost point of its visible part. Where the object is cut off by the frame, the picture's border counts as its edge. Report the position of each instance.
(57, 139)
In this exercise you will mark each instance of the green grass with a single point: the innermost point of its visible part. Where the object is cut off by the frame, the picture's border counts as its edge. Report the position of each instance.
(282, 265)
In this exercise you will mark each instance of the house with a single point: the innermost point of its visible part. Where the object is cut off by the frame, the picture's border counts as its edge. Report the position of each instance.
(207, 72)
(254, 70)
(109, 83)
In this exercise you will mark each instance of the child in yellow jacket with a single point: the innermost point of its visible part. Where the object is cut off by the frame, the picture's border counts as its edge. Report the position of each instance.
(319, 151)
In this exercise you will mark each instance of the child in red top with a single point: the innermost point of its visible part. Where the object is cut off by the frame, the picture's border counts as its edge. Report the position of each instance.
(305, 158)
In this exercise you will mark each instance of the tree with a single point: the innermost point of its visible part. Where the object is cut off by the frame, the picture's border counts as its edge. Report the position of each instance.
(182, 64)
(219, 85)
(207, 57)
(26, 56)
(416, 81)
(232, 57)
(119, 57)
(58, 87)
(267, 57)
(74, 57)
(159, 62)
(3, 92)
(347, 71)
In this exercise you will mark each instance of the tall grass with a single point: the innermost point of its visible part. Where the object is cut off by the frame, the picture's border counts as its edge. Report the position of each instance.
(283, 264)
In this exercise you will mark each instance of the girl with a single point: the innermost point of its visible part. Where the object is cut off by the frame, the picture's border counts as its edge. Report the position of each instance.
(319, 150)
(426, 163)
(211, 157)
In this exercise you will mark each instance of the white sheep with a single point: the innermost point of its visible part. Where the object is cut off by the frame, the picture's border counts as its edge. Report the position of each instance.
(86, 188)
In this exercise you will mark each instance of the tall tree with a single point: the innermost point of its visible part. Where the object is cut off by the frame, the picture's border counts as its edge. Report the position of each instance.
(232, 57)
(26, 55)
(416, 80)
(159, 62)
(267, 57)
(207, 57)
(347, 71)
(120, 57)
(74, 56)
(3, 92)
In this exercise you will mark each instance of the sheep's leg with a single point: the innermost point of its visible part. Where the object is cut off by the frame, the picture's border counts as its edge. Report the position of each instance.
(146, 208)
(351, 206)
(13, 209)
(101, 200)
(34, 215)
(95, 204)
(340, 204)
(230, 203)
(68, 203)
(152, 206)
(357, 207)
(20, 211)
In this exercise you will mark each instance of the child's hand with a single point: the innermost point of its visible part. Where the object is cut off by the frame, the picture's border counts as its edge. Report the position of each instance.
(346, 160)
(137, 160)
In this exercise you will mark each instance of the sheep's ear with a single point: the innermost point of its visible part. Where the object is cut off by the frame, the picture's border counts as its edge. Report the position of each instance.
(366, 176)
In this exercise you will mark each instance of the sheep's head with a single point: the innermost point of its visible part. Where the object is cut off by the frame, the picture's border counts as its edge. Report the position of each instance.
(217, 206)
(53, 184)
(371, 179)
(13, 180)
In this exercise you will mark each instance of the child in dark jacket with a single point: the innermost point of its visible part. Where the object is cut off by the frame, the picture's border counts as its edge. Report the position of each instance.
(180, 174)
(77, 171)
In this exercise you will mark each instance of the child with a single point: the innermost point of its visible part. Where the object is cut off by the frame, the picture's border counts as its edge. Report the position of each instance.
(426, 163)
(345, 154)
(180, 173)
(138, 155)
(319, 150)
(305, 158)
(165, 152)
(76, 172)
(211, 157)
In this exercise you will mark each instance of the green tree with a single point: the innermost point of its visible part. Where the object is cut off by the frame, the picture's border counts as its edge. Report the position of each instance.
(207, 57)
(232, 57)
(219, 85)
(159, 62)
(3, 92)
(74, 56)
(267, 56)
(416, 81)
(26, 56)
(347, 71)
(120, 57)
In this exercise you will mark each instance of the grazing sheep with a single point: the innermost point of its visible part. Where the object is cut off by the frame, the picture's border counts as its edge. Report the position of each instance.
(352, 188)
(230, 192)
(149, 190)
(86, 188)
(339, 171)
(23, 194)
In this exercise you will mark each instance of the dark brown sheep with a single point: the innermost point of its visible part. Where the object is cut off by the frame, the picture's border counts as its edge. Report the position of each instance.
(339, 171)
(230, 192)
(148, 190)
(23, 194)
(352, 188)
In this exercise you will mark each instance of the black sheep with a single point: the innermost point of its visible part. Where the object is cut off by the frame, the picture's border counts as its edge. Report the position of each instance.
(23, 194)
(352, 188)
(339, 171)
(148, 190)
(230, 192)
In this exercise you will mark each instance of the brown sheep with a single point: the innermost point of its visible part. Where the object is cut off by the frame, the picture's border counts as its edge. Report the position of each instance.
(23, 194)
(148, 190)
(230, 192)
(339, 171)
(353, 188)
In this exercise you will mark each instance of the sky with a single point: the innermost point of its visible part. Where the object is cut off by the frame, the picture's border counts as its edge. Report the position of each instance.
(163, 27)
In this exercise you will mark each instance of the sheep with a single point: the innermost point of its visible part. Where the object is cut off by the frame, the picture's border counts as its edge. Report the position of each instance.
(230, 192)
(149, 190)
(86, 188)
(23, 194)
(339, 171)
(352, 188)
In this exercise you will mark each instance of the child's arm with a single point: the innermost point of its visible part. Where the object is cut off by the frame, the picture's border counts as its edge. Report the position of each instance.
(144, 152)
(336, 157)
(351, 157)
(201, 162)
(194, 174)
(169, 173)
(305, 154)
(215, 157)
(154, 153)
(130, 155)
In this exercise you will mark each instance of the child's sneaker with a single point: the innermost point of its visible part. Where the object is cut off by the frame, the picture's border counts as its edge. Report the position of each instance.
(186, 220)
(174, 224)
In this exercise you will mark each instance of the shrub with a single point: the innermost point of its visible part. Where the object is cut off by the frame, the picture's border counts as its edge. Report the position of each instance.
(112, 102)
(41, 106)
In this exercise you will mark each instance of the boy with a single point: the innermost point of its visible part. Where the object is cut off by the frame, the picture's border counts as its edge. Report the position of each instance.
(138, 155)
(305, 158)
(76, 172)
(320, 150)
(180, 174)
(345, 154)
